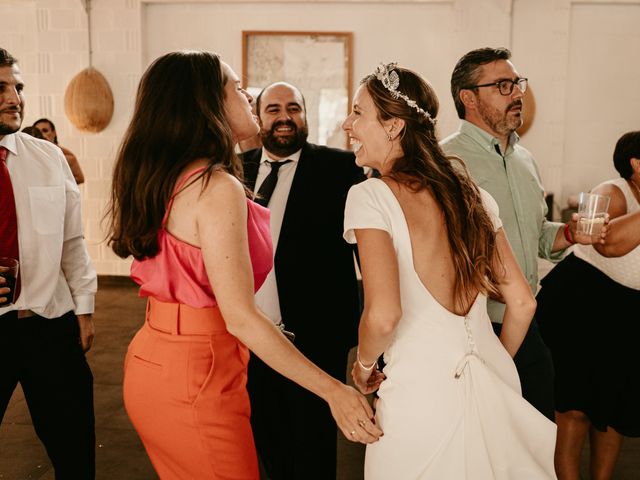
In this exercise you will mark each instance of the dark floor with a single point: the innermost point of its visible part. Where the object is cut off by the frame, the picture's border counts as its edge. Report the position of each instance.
(120, 455)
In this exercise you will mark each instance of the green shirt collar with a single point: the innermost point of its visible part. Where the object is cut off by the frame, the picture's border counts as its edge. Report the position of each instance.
(484, 138)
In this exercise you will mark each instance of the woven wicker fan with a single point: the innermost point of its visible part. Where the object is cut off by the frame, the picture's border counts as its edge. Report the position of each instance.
(88, 101)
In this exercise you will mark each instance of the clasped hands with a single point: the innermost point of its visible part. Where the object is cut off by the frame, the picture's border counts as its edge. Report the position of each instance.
(353, 414)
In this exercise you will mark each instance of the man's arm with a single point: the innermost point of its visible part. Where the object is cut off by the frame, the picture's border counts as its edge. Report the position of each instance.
(76, 264)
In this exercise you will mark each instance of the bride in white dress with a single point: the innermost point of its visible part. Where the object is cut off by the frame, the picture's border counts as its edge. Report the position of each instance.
(431, 249)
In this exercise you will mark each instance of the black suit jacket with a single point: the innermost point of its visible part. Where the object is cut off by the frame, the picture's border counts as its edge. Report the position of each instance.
(314, 268)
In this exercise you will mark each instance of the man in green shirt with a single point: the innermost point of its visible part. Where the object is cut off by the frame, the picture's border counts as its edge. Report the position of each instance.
(488, 91)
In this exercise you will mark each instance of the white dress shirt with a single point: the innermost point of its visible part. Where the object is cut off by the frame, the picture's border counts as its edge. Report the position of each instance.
(267, 296)
(55, 270)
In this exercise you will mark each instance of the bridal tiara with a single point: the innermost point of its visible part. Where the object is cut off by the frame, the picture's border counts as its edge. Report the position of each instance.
(391, 81)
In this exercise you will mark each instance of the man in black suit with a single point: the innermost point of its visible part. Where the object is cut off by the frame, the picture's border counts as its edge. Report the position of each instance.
(312, 290)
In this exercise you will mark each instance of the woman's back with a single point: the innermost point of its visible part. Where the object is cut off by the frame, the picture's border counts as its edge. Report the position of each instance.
(428, 232)
(181, 220)
(177, 272)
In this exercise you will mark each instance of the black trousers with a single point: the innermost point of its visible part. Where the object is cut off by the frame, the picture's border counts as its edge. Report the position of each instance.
(46, 358)
(535, 368)
(295, 434)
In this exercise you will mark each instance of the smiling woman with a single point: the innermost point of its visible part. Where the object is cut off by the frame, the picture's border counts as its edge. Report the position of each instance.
(201, 248)
(432, 249)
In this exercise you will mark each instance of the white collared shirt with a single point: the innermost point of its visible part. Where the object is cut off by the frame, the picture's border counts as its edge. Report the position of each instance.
(55, 269)
(267, 296)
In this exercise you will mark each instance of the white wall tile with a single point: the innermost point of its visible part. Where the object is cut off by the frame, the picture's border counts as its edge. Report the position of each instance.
(52, 41)
(77, 41)
(110, 41)
(66, 18)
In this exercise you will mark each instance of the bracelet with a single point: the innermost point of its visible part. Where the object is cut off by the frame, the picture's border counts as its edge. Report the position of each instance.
(362, 365)
(567, 234)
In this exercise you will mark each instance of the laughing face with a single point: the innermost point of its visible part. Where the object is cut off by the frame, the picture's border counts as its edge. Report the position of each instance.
(501, 114)
(283, 121)
(368, 135)
(11, 100)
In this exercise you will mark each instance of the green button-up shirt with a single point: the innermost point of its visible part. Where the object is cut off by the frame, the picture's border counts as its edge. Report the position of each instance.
(514, 182)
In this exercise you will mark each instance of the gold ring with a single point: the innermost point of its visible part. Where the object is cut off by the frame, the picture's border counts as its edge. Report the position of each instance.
(353, 433)
(362, 423)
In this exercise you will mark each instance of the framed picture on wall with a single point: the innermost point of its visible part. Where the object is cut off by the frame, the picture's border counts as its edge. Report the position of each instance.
(318, 63)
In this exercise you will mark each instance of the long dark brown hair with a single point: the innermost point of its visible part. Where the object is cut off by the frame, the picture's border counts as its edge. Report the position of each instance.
(425, 166)
(178, 118)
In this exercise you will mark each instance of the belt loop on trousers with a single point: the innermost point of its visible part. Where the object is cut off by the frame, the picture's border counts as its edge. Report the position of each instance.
(175, 327)
(173, 308)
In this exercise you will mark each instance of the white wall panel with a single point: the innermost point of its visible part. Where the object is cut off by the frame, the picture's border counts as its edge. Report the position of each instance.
(603, 98)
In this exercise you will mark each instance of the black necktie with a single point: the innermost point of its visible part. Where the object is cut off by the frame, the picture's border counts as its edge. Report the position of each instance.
(269, 183)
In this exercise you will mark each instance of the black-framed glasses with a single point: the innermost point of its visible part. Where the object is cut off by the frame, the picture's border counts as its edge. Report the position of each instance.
(504, 86)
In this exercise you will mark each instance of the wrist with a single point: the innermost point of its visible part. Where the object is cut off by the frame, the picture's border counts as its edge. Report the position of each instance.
(330, 390)
(363, 365)
(567, 234)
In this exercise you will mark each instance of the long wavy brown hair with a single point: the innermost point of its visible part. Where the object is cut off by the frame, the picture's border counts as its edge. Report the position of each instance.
(425, 166)
(178, 118)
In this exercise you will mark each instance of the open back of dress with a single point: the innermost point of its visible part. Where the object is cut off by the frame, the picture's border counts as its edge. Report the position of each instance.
(451, 406)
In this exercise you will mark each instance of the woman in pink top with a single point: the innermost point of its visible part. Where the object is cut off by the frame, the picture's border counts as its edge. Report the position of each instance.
(201, 249)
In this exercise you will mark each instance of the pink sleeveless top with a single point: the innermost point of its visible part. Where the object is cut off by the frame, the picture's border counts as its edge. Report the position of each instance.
(177, 274)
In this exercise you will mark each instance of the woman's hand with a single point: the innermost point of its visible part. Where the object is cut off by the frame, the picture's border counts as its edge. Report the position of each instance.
(353, 414)
(586, 239)
(367, 381)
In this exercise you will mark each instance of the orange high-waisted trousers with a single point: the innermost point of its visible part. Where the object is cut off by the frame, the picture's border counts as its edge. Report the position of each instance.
(184, 390)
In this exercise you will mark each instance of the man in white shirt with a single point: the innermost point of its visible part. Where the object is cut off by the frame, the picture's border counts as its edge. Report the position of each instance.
(48, 327)
(312, 288)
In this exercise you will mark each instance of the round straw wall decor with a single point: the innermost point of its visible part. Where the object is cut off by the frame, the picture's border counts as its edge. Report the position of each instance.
(528, 111)
(88, 101)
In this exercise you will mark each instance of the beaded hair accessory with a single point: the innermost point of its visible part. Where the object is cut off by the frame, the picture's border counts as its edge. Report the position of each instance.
(391, 81)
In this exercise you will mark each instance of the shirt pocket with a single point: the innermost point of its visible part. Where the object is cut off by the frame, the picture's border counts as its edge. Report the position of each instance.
(47, 209)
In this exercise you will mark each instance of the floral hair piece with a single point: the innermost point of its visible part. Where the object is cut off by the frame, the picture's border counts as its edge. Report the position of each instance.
(391, 81)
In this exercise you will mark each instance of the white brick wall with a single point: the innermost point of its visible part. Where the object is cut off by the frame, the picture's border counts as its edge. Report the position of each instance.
(49, 37)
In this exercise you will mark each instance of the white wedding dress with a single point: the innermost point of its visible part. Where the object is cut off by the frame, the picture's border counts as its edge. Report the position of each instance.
(451, 406)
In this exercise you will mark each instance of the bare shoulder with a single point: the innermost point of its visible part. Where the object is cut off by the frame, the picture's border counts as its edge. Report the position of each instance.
(607, 188)
(223, 189)
(221, 180)
(618, 202)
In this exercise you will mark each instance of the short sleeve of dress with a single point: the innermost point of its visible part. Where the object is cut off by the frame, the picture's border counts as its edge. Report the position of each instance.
(365, 209)
(491, 206)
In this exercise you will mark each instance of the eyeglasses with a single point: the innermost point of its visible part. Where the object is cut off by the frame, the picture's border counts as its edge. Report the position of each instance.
(505, 86)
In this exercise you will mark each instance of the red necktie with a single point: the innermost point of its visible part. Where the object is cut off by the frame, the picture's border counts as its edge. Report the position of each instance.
(8, 217)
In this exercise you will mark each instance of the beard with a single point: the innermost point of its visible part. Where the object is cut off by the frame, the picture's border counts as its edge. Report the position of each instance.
(8, 129)
(500, 121)
(284, 146)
